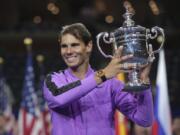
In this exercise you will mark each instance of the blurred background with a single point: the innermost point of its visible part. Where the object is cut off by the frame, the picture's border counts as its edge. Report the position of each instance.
(42, 20)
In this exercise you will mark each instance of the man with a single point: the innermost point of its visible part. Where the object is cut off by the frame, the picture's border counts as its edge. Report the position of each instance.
(82, 101)
(2, 124)
(176, 125)
(139, 130)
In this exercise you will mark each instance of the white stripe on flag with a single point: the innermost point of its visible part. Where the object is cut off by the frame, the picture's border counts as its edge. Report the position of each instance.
(164, 116)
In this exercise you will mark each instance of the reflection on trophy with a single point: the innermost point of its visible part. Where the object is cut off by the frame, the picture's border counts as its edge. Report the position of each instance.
(134, 39)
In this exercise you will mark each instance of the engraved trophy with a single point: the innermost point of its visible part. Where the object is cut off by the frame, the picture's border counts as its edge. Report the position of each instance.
(135, 40)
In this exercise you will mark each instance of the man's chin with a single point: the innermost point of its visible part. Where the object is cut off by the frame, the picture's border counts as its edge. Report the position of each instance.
(73, 66)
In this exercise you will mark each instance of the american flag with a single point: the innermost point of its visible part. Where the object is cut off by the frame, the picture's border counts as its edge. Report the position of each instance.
(3, 95)
(6, 106)
(45, 114)
(29, 114)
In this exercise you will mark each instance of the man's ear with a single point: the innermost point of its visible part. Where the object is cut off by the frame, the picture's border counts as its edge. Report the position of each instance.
(89, 46)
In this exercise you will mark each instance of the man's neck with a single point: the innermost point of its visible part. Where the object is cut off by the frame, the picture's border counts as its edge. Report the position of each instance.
(80, 71)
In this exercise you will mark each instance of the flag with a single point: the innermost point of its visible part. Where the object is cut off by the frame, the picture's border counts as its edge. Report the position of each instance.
(162, 124)
(44, 111)
(3, 95)
(121, 123)
(6, 105)
(29, 113)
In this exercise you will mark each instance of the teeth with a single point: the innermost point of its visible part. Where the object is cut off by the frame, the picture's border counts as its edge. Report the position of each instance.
(70, 58)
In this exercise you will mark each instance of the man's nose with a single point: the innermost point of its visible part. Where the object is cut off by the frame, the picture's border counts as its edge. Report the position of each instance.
(69, 49)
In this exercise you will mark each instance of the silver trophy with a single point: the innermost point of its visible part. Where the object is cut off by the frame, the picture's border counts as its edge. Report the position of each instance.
(135, 40)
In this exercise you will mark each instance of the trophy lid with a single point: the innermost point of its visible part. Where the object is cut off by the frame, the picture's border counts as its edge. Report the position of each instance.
(127, 16)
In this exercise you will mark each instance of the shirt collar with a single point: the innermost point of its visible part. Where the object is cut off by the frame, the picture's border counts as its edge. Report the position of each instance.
(70, 74)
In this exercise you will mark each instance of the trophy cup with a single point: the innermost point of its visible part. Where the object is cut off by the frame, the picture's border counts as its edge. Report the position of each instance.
(135, 40)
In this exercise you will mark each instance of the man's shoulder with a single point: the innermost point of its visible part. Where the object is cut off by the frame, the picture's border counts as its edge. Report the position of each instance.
(54, 76)
(54, 80)
(55, 73)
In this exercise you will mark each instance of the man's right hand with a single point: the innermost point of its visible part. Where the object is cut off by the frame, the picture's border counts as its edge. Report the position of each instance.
(116, 65)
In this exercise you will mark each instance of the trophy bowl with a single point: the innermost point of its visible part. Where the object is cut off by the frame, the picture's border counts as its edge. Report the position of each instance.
(135, 40)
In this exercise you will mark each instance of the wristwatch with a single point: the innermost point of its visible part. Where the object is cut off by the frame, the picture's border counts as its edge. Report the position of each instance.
(101, 75)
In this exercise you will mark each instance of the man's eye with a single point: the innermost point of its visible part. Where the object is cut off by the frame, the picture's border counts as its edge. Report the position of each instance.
(63, 45)
(75, 44)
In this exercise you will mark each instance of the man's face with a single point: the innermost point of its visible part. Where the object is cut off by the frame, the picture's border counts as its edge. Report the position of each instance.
(176, 126)
(74, 51)
(2, 124)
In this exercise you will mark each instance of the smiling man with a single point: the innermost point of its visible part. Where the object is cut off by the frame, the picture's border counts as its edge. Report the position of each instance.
(83, 101)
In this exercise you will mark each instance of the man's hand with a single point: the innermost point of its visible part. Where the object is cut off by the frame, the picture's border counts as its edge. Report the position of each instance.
(145, 70)
(116, 65)
(144, 73)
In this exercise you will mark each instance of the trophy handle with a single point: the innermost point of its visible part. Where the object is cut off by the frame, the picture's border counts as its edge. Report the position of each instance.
(105, 36)
(155, 31)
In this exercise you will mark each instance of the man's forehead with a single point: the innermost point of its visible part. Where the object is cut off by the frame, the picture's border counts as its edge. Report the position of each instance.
(68, 38)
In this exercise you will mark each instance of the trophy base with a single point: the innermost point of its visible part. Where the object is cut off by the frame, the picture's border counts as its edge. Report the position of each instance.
(136, 88)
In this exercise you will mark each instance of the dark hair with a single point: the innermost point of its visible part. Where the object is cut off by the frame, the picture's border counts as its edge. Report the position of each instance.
(78, 30)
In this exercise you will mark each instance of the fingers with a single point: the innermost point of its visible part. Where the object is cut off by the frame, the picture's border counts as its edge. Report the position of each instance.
(118, 55)
(118, 52)
(142, 65)
(150, 48)
(126, 57)
(127, 66)
(151, 57)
